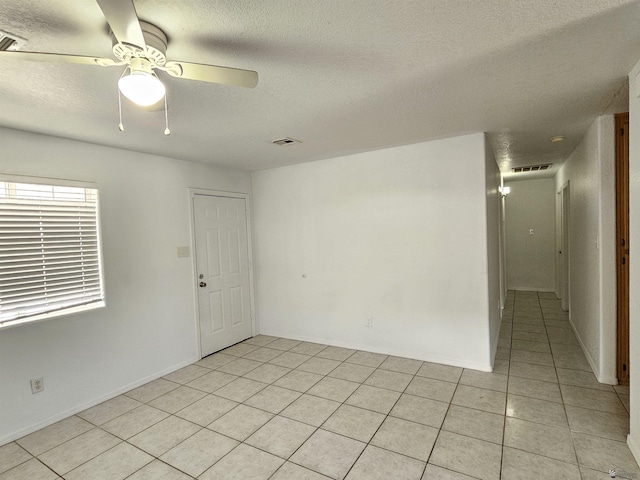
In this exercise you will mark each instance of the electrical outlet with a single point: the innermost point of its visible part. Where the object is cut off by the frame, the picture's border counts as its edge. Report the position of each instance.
(37, 385)
(369, 322)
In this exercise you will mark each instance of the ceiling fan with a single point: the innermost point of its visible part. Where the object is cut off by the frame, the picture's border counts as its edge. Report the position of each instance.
(142, 47)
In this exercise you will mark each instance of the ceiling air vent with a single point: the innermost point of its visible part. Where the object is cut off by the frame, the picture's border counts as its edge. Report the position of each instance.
(285, 141)
(9, 41)
(531, 168)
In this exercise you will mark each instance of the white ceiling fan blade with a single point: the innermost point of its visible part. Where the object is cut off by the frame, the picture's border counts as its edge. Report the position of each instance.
(59, 58)
(123, 20)
(212, 73)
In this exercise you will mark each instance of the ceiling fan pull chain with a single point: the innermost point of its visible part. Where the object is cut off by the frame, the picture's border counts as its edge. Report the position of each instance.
(166, 117)
(120, 125)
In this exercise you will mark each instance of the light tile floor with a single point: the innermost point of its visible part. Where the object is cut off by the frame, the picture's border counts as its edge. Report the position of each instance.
(274, 408)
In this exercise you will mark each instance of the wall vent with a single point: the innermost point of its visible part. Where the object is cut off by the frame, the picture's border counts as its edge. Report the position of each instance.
(8, 41)
(531, 168)
(285, 141)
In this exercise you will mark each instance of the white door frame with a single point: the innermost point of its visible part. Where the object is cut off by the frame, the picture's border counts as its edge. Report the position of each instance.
(502, 235)
(194, 268)
(558, 255)
(566, 248)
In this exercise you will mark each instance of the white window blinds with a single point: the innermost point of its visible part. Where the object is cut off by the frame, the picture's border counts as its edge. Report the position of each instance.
(49, 250)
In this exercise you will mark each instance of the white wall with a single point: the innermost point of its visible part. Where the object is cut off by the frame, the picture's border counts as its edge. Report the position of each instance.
(531, 258)
(634, 293)
(493, 205)
(399, 235)
(148, 326)
(590, 169)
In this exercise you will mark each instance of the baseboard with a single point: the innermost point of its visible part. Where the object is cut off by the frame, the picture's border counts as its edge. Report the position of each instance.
(384, 351)
(607, 380)
(91, 403)
(634, 447)
(595, 367)
(494, 344)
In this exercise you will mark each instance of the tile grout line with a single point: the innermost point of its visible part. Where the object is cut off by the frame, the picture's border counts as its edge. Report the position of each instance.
(564, 405)
(368, 443)
(316, 428)
(506, 403)
(381, 423)
(388, 415)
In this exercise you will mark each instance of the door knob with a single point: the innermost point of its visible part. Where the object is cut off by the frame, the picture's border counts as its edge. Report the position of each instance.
(203, 284)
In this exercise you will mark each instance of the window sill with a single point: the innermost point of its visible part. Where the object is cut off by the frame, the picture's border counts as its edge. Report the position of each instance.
(49, 315)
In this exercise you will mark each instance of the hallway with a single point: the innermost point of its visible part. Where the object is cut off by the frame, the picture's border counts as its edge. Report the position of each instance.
(548, 366)
(279, 409)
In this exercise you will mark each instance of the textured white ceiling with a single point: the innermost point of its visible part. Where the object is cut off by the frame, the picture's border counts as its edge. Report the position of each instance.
(340, 76)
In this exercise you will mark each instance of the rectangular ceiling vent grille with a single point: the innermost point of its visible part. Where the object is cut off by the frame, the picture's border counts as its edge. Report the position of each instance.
(285, 141)
(9, 41)
(531, 168)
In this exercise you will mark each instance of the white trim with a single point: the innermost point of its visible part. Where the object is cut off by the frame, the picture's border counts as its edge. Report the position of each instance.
(248, 204)
(62, 312)
(494, 344)
(385, 351)
(63, 182)
(566, 246)
(607, 380)
(194, 267)
(92, 403)
(194, 270)
(592, 363)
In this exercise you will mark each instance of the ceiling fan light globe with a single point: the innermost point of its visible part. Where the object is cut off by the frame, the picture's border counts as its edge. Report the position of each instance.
(142, 88)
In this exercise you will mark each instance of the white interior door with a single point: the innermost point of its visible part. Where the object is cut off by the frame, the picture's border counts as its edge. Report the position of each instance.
(222, 261)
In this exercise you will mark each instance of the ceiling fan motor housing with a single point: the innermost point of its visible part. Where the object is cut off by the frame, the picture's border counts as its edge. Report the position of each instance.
(156, 50)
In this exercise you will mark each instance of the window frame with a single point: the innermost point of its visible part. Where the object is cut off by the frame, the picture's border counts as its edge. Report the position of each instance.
(73, 309)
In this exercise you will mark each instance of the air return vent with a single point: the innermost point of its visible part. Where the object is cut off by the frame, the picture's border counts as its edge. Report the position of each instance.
(9, 41)
(531, 168)
(285, 141)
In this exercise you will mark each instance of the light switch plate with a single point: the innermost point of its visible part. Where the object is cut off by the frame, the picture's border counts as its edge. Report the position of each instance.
(183, 251)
